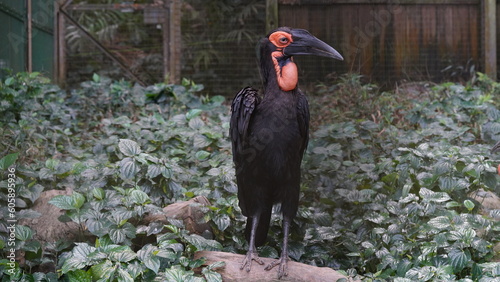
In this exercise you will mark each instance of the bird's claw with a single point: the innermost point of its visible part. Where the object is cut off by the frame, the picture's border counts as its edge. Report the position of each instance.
(283, 266)
(248, 260)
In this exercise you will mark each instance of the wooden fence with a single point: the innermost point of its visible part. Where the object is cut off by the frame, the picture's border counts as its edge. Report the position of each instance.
(386, 40)
(398, 40)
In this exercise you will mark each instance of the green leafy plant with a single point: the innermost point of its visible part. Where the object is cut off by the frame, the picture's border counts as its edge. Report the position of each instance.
(382, 198)
(403, 195)
(109, 261)
(17, 90)
(16, 196)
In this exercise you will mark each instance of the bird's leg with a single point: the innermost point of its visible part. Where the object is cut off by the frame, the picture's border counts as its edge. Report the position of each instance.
(252, 251)
(283, 260)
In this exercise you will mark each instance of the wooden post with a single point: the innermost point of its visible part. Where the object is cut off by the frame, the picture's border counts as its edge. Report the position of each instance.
(59, 46)
(175, 41)
(489, 38)
(271, 15)
(29, 41)
(165, 29)
(60, 71)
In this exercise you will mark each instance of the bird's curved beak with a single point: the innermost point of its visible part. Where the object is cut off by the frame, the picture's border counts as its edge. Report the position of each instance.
(305, 43)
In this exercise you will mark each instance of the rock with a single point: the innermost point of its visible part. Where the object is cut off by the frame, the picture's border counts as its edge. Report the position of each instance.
(488, 200)
(47, 227)
(296, 271)
(496, 249)
(190, 212)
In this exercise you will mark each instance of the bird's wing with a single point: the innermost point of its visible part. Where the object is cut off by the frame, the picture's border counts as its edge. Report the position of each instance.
(303, 119)
(244, 103)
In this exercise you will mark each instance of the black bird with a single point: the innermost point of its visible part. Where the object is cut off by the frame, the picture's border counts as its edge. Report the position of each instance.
(269, 135)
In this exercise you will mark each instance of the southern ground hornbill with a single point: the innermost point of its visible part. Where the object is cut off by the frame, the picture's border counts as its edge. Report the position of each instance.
(269, 135)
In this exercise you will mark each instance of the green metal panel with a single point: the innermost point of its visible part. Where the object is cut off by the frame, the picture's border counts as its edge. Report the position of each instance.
(43, 36)
(12, 35)
(13, 41)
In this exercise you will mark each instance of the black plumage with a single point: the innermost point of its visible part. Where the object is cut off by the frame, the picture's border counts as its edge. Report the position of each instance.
(268, 152)
(269, 135)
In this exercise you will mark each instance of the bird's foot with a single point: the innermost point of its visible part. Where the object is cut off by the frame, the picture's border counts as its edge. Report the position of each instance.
(283, 266)
(247, 262)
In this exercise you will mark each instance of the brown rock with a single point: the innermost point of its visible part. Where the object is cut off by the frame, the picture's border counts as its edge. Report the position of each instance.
(190, 212)
(296, 271)
(488, 200)
(48, 228)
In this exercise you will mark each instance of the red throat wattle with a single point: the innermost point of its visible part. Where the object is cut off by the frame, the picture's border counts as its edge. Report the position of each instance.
(287, 74)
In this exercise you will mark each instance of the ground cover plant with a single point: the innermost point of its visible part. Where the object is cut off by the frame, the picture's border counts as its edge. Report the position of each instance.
(385, 195)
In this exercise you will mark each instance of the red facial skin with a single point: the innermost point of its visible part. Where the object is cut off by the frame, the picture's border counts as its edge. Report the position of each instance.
(287, 75)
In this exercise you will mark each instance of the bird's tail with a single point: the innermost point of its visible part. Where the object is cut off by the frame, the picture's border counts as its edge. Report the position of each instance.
(262, 228)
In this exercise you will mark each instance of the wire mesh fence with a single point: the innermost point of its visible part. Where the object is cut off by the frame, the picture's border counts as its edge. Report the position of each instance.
(217, 44)
(132, 36)
(387, 41)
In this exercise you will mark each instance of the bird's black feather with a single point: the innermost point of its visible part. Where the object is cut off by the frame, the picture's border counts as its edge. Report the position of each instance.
(243, 105)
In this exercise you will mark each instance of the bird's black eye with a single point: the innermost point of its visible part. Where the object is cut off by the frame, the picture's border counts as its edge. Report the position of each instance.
(283, 40)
